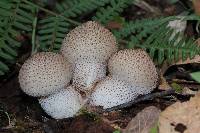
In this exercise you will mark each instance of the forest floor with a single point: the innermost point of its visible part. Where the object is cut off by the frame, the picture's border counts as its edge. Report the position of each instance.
(20, 113)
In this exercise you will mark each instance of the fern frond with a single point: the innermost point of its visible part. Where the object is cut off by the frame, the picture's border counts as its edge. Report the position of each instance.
(144, 27)
(147, 26)
(161, 48)
(154, 36)
(52, 32)
(104, 15)
(73, 8)
(15, 16)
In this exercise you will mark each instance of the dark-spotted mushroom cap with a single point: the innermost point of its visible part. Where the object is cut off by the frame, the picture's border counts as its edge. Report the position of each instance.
(44, 73)
(134, 67)
(88, 47)
(90, 41)
(86, 74)
(111, 92)
(63, 104)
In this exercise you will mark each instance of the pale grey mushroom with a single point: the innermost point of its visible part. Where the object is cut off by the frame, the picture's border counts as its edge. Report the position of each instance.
(63, 104)
(135, 67)
(44, 73)
(88, 47)
(132, 73)
(111, 92)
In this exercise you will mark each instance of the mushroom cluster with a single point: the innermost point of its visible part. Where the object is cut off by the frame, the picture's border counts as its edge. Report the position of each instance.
(86, 53)
(88, 47)
(132, 73)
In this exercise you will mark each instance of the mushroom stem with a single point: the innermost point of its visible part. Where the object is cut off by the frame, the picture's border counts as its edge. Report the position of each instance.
(86, 74)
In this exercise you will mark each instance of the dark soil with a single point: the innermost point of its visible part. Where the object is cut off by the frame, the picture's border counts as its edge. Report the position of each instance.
(27, 115)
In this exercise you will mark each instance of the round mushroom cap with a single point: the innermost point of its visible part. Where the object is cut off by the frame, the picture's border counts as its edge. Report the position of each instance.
(111, 92)
(89, 41)
(63, 104)
(44, 73)
(134, 67)
(86, 74)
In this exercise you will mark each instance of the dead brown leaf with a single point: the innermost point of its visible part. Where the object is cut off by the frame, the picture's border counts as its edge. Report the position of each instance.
(114, 25)
(143, 121)
(181, 117)
(196, 59)
(196, 4)
(163, 84)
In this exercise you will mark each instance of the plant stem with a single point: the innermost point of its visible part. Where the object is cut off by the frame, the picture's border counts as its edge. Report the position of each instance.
(33, 35)
(52, 13)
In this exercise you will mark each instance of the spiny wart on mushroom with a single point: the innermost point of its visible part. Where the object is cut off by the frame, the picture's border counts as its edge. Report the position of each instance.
(63, 104)
(44, 73)
(88, 45)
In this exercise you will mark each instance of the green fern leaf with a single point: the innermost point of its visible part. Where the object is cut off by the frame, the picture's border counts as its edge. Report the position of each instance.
(52, 32)
(160, 47)
(154, 35)
(104, 15)
(146, 26)
(73, 8)
(15, 16)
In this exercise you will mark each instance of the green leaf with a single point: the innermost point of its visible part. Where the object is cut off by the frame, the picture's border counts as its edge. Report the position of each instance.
(195, 76)
(15, 16)
(52, 32)
(154, 36)
(154, 129)
(113, 10)
(116, 131)
(74, 8)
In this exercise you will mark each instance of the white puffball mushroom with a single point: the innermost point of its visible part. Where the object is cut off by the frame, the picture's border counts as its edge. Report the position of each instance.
(136, 68)
(111, 92)
(89, 41)
(44, 73)
(63, 104)
(92, 43)
(86, 74)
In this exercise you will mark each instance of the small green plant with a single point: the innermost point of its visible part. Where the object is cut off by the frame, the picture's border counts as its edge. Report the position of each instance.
(154, 129)
(116, 131)
(90, 115)
(177, 87)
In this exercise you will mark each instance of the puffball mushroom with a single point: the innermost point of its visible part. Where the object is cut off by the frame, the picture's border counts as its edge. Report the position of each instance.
(85, 73)
(132, 73)
(44, 73)
(136, 68)
(88, 45)
(63, 104)
(111, 92)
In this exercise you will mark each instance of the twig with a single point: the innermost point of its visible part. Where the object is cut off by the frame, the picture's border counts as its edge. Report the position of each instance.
(8, 117)
(143, 98)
